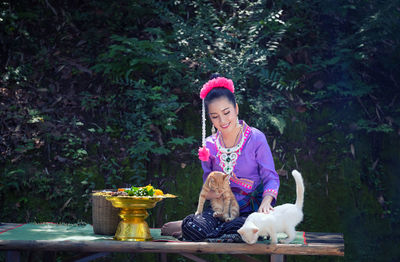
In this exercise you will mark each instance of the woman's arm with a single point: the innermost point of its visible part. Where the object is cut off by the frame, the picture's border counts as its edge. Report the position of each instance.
(268, 174)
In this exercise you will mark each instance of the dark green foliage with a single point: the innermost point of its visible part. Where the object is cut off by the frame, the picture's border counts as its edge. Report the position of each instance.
(104, 94)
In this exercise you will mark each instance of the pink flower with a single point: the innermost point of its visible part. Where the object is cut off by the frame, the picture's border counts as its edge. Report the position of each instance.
(216, 82)
(204, 153)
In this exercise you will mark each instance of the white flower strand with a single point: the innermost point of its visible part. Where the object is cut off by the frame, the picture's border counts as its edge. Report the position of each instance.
(203, 113)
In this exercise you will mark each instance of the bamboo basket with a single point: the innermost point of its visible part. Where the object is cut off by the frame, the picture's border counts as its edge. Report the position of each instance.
(104, 215)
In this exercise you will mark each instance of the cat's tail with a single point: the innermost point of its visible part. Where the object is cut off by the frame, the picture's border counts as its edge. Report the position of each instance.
(299, 188)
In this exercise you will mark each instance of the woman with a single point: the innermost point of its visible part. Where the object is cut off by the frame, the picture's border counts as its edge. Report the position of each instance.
(235, 149)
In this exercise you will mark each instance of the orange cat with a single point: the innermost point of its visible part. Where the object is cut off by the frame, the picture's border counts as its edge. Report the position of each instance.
(226, 206)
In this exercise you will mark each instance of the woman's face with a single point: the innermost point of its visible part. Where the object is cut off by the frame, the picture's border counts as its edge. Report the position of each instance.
(223, 115)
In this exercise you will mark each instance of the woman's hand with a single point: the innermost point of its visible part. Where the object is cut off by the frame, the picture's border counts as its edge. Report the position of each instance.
(265, 206)
(213, 195)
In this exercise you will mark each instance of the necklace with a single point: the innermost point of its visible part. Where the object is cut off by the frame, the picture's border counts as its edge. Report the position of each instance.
(228, 156)
(236, 139)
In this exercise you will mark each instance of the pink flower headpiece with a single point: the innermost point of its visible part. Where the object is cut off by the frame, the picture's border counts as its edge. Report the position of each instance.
(204, 153)
(216, 82)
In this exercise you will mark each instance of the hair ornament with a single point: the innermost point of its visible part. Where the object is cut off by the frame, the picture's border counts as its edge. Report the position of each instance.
(216, 82)
(204, 153)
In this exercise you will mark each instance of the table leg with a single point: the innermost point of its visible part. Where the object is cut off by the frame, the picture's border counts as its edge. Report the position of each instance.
(13, 256)
(193, 257)
(49, 256)
(246, 258)
(163, 257)
(91, 257)
(277, 258)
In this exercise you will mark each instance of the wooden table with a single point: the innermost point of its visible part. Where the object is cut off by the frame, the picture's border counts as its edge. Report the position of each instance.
(329, 244)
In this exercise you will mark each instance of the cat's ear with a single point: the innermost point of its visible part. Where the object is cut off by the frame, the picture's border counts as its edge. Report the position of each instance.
(225, 176)
(211, 181)
(240, 231)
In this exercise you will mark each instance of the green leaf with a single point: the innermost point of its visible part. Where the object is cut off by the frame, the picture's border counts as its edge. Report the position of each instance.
(277, 122)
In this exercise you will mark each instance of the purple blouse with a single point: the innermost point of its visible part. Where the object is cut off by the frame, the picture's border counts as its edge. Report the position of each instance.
(254, 165)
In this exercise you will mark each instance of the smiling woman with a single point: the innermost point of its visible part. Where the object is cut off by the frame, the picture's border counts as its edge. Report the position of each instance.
(238, 150)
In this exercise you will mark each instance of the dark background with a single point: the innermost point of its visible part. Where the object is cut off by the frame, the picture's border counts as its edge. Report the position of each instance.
(104, 94)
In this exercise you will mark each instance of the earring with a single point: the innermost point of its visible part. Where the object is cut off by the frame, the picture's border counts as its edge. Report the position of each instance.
(237, 121)
(213, 130)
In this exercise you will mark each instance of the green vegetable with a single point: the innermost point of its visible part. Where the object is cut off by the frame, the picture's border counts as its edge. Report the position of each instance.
(139, 191)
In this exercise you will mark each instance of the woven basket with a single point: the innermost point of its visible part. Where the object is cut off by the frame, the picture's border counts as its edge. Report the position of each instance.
(105, 216)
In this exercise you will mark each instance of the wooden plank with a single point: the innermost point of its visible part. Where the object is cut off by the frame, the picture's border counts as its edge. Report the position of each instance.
(313, 248)
(317, 244)
(321, 238)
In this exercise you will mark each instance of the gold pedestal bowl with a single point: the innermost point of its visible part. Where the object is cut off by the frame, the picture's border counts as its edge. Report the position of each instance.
(133, 213)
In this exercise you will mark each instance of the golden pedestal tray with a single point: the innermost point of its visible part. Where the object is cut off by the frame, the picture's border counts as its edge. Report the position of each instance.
(133, 213)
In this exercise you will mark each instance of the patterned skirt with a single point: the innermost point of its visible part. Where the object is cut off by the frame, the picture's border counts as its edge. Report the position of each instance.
(205, 227)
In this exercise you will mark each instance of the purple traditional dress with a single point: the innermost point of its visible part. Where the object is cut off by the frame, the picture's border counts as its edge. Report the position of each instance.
(252, 176)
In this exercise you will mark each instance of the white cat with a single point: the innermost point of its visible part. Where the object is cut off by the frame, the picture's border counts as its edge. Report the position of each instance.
(283, 219)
